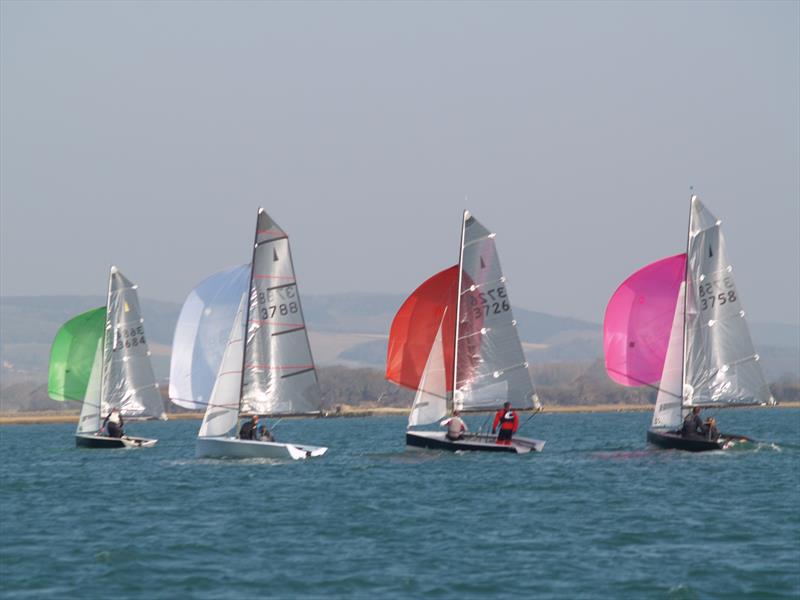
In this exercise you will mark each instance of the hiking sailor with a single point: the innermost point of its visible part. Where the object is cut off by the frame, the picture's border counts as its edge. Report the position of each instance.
(693, 424)
(249, 430)
(112, 424)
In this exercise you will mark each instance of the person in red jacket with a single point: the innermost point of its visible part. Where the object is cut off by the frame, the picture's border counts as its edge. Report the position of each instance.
(508, 420)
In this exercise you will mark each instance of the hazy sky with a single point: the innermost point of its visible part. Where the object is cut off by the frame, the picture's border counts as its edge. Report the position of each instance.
(147, 135)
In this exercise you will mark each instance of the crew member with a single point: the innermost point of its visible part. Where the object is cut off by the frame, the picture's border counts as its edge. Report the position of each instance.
(455, 426)
(508, 420)
(693, 424)
(112, 424)
(249, 430)
(264, 434)
(711, 428)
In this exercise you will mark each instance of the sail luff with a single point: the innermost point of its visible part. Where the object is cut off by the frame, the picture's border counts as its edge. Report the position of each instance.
(457, 404)
(247, 310)
(106, 349)
(685, 304)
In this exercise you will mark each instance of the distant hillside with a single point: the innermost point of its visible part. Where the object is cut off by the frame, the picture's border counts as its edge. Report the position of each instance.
(345, 329)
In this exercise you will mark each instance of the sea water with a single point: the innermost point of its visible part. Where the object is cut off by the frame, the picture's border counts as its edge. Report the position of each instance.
(596, 515)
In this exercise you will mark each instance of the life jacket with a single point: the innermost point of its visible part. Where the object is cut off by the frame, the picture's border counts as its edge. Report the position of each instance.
(507, 419)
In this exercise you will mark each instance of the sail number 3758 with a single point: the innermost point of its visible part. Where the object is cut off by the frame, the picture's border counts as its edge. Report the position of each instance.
(709, 297)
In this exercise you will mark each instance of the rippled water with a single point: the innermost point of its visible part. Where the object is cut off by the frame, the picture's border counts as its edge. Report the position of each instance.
(596, 515)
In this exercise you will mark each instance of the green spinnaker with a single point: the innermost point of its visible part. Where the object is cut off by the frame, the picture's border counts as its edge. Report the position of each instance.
(72, 355)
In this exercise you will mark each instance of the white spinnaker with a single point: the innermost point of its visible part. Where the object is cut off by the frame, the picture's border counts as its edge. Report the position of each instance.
(667, 413)
(279, 376)
(430, 402)
(491, 366)
(222, 412)
(722, 366)
(89, 421)
(201, 336)
(128, 380)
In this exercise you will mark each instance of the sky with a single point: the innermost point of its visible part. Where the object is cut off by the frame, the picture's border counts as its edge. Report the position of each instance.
(147, 134)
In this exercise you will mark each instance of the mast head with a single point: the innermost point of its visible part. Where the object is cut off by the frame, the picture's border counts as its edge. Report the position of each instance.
(114, 269)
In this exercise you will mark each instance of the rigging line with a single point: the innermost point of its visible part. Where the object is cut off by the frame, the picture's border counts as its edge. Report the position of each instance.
(650, 385)
(529, 418)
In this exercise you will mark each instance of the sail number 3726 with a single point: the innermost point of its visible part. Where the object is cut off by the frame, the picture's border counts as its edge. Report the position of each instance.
(490, 302)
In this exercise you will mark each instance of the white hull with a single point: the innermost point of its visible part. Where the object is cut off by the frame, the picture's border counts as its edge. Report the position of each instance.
(229, 447)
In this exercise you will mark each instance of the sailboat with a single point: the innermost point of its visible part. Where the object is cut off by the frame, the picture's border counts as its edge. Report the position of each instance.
(101, 358)
(263, 366)
(455, 342)
(679, 321)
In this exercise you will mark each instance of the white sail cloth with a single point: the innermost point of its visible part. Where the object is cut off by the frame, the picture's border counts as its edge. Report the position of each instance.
(201, 336)
(279, 376)
(430, 401)
(668, 409)
(89, 420)
(721, 364)
(222, 412)
(491, 367)
(128, 382)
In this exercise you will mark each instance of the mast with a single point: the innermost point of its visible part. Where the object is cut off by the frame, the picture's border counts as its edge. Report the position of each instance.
(686, 298)
(458, 304)
(247, 313)
(105, 341)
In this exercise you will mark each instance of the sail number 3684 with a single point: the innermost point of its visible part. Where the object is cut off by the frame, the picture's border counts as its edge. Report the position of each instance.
(709, 297)
(490, 302)
(129, 338)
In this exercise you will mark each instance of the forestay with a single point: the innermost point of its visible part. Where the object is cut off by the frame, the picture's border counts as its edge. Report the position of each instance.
(128, 381)
(490, 364)
(278, 373)
(201, 336)
(721, 365)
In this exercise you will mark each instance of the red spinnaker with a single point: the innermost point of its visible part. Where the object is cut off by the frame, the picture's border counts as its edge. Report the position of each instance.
(638, 322)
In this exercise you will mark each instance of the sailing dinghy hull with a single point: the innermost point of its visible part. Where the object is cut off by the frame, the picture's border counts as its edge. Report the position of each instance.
(101, 441)
(673, 440)
(437, 440)
(229, 447)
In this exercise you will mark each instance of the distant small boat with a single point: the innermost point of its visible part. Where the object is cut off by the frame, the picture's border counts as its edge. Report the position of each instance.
(101, 358)
(455, 342)
(264, 368)
(696, 343)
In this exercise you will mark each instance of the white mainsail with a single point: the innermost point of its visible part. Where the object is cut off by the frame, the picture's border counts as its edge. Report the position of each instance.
(201, 336)
(128, 382)
(222, 412)
(490, 365)
(430, 401)
(278, 375)
(721, 365)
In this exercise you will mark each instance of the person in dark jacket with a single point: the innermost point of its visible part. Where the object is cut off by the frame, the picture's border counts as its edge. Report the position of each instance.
(249, 430)
(112, 424)
(264, 434)
(508, 420)
(693, 424)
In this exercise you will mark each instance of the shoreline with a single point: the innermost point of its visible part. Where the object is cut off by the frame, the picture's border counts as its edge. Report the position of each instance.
(48, 417)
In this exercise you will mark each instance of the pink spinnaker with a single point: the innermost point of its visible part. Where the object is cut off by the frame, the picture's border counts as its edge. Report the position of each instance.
(638, 322)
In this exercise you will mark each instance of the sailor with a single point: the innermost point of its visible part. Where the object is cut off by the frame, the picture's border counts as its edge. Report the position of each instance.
(711, 428)
(249, 430)
(508, 420)
(693, 424)
(264, 434)
(455, 426)
(112, 424)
